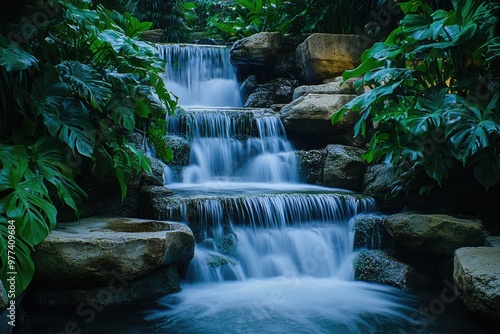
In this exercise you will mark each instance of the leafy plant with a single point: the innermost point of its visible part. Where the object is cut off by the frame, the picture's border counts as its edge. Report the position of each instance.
(431, 102)
(72, 94)
(166, 15)
(242, 18)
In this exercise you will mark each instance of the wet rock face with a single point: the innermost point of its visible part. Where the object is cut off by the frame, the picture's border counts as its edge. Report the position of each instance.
(476, 277)
(370, 233)
(344, 167)
(311, 164)
(434, 234)
(376, 266)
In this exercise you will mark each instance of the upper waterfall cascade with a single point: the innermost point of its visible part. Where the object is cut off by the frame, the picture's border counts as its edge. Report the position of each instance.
(201, 75)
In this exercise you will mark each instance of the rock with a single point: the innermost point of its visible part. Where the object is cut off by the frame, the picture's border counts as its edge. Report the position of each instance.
(334, 87)
(260, 99)
(310, 165)
(309, 118)
(435, 234)
(180, 148)
(492, 241)
(259, 49)
(323, 56)
(378, 180)
(277, 91)
(154, 35)
(344, 167)
(94, 249)
(248, 86)
(378, 267)
(119, 290)
(370, 233)
(283, 90)
(476, 277)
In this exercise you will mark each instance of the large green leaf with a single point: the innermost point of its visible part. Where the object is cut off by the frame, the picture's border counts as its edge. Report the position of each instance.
(13, 57)
(86, 82)
(26, 200)
(51, 159)
(70, 123)
(15, 258)
(469, 130)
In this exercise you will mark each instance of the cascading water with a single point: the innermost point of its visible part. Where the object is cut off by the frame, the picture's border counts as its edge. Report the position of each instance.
(274, 255)
(200, 75)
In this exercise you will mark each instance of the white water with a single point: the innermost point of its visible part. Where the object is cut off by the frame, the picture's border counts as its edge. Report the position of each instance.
(200, 75)
(275, 255)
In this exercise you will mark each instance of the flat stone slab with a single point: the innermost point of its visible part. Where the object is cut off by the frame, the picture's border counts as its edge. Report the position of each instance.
(476, 276)
(95, 249)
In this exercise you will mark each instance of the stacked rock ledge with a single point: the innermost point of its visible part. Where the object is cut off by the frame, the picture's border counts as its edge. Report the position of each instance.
(111, 260)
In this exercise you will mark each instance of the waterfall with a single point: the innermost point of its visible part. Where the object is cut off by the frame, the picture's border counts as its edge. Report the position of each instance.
(273, 254)
(223, 148)
(200, 75)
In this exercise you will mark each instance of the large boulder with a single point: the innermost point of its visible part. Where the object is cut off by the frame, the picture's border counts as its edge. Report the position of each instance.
(323, 56)
(95, 248)
(259, 49)
(434, 234)
(376, 266)
(309, 118)
(119, 290)
(344, 167)
(476, 277)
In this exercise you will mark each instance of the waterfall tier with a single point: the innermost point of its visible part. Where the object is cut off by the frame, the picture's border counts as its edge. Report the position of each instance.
(201, 75)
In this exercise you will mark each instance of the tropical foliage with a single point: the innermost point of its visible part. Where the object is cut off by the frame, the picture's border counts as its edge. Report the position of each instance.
(433, 104)
(74, 88)
(234, 19)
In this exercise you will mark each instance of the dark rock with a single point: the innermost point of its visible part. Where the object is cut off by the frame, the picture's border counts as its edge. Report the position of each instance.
(248, 86)
(344, 167)
(119, 290)
(181, 150)
(434, 234)
(311, 165)
(260, 98)
(492, 241)
(376, 266)
(370, 233)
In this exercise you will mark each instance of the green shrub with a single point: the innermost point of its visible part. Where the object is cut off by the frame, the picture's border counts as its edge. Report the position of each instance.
(73, 90)
(433, 100)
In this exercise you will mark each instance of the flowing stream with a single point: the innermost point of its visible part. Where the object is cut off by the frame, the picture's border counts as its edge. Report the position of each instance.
(274, 255)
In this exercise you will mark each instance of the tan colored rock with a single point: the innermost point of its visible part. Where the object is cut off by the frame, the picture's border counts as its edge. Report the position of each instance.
(312, 114)
(336, 86)
(434, 234)
(95, 249)
(476, 277)
(259, 49)
(323, 56)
